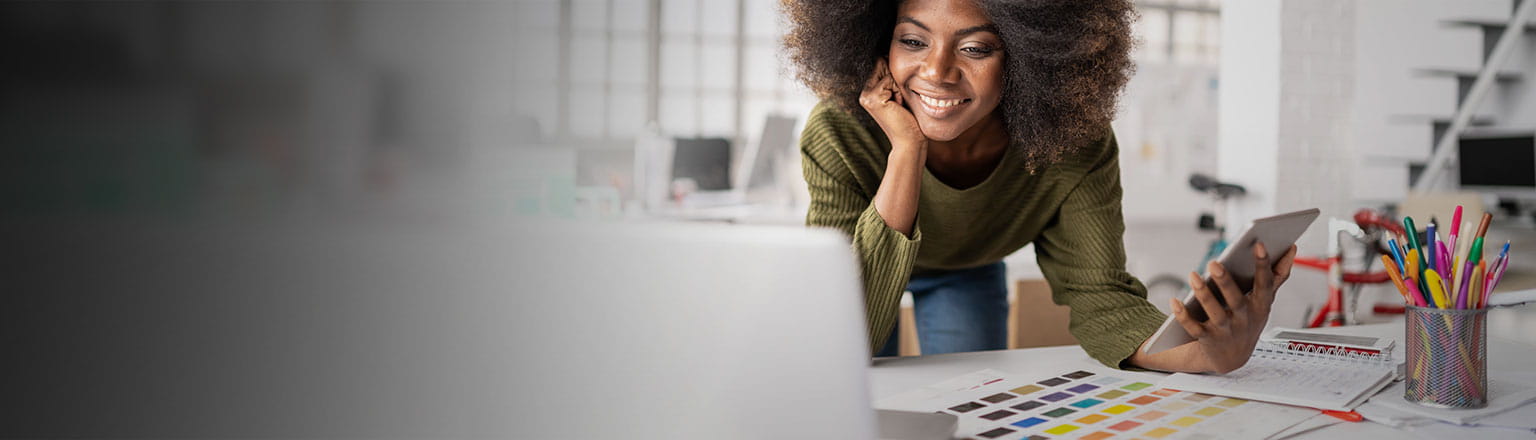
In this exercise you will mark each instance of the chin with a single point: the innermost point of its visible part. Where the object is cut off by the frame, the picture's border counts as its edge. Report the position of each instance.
(940, 132)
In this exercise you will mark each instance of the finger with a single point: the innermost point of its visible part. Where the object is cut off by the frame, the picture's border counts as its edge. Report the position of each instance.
(1194, 329)
(1215, 314)
(875, 76)
(1230, 292)
(1283, 267)
(891, 82)
(1263, 272)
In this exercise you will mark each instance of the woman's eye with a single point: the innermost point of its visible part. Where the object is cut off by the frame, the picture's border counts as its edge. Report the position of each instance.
(911, 43)
(977, 51)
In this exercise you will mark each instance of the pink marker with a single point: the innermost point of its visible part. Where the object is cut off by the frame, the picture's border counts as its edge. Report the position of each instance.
(1455, 227)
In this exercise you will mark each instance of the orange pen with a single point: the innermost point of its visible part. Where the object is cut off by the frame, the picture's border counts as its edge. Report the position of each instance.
(1397, 278)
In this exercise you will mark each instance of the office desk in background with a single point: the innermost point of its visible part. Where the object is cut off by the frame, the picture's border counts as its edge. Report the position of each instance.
(892, 376)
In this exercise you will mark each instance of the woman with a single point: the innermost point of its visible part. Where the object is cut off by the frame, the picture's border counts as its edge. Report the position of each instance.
(954, 132)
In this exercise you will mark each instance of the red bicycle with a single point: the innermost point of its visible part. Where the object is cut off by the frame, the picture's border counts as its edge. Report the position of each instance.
(1369, 230)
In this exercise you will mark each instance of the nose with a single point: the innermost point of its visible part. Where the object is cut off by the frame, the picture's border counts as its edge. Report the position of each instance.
(939, 67)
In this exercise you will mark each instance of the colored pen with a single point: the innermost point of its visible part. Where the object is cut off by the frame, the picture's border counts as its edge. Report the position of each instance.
(1441, 301)
(1498, 276)
(1455, 227)
(1397, 278)
(1472, 258)
(1441, 256)
(1397, 254)
(1419, 298)
(1477, 284)
(1416, 271)
(1429, 245)
(1348, 416)
(1482, 226)
(1413, 242)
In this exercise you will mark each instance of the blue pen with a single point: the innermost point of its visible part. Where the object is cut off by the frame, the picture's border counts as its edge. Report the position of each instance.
(1429, 243)
(1397, 255)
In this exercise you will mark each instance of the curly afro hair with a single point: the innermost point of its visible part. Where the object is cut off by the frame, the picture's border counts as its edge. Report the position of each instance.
(1066, 63)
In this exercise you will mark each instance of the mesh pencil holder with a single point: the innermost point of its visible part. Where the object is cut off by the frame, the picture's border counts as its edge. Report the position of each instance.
(1447, 357)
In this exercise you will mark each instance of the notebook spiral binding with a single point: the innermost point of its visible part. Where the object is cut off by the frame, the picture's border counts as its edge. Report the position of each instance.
(1282, 351)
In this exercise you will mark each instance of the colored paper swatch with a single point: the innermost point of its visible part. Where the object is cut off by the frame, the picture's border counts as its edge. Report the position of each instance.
(999, 414)
(1091, 419)
(1136, 386)
(1083, 388)
(1026, 406)
(1113, 394)
(1151, 415)
(1053, 381)
(1027, 389)
(1117, 409)
(1197, 397)
(1143, 400)
(1176, 405)
(1231, 403)
(1209, 411)
(1125, 426)
(1101, 435)
(965, 407)
(1186, 421)
(1053, 397)
(1079, 374)
(999, 397)
(1160, 432)
(1087, 403)
(1106, 380)
(1058, 412)
(1063, 429)
(999, 432)
(1032, 421)
(1165, 392)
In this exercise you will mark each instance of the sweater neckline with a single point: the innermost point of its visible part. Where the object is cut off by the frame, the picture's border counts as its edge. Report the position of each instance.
(996, 169)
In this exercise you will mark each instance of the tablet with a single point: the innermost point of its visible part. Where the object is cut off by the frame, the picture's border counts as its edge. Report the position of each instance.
(1277, 233)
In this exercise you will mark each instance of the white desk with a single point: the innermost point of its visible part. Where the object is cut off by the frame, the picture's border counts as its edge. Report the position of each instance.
(891, 376)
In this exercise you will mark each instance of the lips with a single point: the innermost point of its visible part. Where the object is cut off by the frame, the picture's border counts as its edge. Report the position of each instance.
(939, 106)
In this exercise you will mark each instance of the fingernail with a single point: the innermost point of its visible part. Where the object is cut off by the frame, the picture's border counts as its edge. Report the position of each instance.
(1217, 270)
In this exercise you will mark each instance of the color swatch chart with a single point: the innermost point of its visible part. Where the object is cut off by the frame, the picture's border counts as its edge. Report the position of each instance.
(1088, 405)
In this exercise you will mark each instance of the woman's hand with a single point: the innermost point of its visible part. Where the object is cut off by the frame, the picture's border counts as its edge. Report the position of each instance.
(886, 102)
(1227, 337)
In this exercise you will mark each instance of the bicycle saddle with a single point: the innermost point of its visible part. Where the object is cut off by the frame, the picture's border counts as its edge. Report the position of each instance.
(1204, 183)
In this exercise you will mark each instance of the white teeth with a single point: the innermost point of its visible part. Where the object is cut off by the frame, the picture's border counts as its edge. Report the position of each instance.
(940, 103)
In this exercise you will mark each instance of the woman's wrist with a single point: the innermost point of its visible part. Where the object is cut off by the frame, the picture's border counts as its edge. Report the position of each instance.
(917, 150)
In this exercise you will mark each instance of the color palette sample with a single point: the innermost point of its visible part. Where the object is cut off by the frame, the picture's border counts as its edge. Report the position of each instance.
(1090, 405)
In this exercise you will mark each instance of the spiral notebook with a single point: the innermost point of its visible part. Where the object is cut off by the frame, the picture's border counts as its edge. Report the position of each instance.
(1312, 376)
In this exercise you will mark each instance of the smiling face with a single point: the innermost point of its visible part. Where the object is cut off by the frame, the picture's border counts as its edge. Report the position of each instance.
(948, 58)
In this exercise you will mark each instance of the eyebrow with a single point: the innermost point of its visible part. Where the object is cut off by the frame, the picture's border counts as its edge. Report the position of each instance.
(961, 33)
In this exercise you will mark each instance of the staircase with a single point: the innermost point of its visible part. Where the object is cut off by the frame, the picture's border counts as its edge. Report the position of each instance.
(1494, 107)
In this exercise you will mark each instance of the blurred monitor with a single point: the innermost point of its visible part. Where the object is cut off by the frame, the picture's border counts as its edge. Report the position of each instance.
(1500, 163)
(762, 159)
(707, 161)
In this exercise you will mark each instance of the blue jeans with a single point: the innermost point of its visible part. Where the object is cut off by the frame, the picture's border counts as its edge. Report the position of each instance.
(962, 310)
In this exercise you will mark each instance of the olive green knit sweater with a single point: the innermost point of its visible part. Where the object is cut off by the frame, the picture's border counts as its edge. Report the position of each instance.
(1070, 211)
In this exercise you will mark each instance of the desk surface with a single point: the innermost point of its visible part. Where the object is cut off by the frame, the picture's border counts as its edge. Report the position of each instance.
(891, 376)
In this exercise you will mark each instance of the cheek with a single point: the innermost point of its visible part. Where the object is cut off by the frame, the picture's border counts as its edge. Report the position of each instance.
(902, 67)
(989, 82)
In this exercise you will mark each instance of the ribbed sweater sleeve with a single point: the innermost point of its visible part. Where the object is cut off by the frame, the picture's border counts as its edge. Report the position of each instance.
(842, 199)
(1082, 255)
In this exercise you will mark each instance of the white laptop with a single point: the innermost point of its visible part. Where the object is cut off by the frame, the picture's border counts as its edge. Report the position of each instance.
(509, 330)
